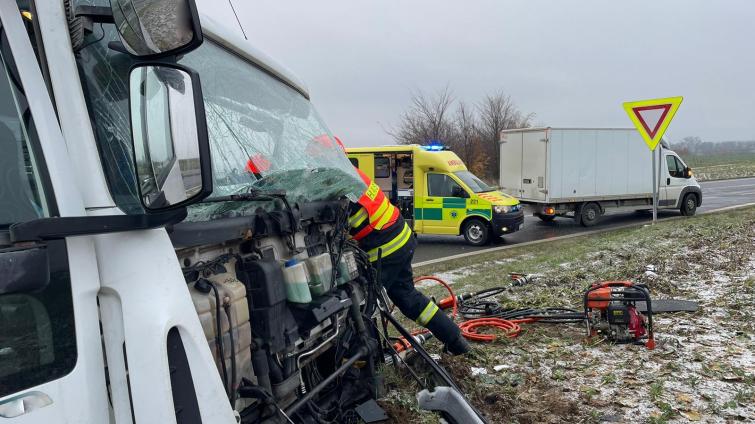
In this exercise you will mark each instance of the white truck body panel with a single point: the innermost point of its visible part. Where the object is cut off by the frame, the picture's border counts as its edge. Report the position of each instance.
(131, 275)
(552, 165)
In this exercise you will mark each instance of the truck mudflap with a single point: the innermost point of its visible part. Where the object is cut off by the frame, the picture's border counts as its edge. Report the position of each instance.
(506, 223)
(448, 400)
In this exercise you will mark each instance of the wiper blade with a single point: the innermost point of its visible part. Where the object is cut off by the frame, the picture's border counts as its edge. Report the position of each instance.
(249, 196)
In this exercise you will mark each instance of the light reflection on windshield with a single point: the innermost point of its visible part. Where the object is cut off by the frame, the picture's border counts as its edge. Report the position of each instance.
(473, 182)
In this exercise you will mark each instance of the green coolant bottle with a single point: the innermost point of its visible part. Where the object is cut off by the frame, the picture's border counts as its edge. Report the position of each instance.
(297, 282)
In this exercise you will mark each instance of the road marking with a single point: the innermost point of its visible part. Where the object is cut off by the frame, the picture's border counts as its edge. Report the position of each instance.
(568, 236)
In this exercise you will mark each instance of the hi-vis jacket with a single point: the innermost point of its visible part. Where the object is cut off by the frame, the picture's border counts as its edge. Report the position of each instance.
(376, 224)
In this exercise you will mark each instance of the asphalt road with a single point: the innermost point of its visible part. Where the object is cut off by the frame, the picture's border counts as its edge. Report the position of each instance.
(716, 195)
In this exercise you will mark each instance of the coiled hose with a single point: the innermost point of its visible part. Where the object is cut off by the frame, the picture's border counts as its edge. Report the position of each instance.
(480, 312)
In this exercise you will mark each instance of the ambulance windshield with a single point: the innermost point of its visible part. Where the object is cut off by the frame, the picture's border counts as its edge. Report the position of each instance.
(473, 182)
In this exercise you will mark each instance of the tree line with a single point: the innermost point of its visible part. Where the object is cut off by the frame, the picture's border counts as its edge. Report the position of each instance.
(471, 130)
(694, 146)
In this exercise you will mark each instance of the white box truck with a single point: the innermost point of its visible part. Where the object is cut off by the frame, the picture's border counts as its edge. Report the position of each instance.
(581, 172)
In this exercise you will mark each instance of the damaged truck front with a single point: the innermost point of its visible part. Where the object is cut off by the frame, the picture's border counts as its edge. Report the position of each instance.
(186, 205)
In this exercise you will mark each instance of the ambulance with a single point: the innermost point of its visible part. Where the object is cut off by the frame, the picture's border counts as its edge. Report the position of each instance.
(437, 194)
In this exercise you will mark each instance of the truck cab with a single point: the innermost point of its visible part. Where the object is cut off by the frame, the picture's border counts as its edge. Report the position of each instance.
(172, 234)
(678, 187)
(436, 192)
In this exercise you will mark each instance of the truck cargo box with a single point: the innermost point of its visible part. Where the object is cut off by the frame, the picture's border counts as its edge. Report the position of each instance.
(561, 165)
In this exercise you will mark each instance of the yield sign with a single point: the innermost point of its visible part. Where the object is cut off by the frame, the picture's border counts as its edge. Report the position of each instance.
(652, 117)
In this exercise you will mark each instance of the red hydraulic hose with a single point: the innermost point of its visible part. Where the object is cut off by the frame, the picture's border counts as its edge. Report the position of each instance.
(469, 329)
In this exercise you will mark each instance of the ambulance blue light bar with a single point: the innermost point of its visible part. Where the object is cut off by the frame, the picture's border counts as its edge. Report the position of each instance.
(434, 146)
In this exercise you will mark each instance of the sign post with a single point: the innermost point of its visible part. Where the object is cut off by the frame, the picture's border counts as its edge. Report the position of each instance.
(651, 118)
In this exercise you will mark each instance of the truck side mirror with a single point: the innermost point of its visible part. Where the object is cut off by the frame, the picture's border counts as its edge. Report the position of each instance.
(688, 172)
(157, 28)
(169, 135)
(24, 270)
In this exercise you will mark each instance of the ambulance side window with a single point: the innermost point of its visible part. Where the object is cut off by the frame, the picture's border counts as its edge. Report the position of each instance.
(382, 167)
(441, 185)
(37, 337)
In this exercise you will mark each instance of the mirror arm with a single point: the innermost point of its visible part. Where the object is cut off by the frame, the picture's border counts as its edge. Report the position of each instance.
(61, 227)
(91, 15)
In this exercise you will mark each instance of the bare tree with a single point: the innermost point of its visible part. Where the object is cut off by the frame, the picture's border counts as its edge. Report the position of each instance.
(427, 119)
(472, 132)
(498, 112)
(467, 132)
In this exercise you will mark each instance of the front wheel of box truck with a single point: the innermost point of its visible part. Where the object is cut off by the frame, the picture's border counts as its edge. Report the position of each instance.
(476, 232)
(689, 205)
(589, 214)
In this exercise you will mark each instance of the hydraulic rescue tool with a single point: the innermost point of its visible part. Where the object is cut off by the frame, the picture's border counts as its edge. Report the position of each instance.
(611, 310)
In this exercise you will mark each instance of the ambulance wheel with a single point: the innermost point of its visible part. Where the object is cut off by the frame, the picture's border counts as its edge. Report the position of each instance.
(476, 232)
(689, 205)
(590, 214)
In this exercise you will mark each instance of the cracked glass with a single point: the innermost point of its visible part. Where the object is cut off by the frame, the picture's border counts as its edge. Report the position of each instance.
(265, 137)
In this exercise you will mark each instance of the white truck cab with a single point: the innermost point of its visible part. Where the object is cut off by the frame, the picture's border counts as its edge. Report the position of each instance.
(161, 203)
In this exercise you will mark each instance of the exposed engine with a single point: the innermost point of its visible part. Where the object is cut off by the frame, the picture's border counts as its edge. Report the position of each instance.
(286, 310)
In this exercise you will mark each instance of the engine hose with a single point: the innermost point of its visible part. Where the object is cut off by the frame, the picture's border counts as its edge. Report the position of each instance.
(227, 308)
(219, 338)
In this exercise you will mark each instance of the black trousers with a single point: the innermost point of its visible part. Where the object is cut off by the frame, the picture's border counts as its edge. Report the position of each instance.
(397, 278)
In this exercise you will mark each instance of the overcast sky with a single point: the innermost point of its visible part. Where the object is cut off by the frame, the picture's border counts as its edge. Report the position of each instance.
(572, 63)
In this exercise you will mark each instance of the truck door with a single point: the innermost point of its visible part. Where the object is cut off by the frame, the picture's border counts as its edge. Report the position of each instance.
(443, 206)
(510, 178)
(534, 153)
(672, 180)
(51, 361)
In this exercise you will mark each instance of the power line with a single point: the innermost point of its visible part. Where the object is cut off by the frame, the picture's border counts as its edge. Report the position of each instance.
(237, 19)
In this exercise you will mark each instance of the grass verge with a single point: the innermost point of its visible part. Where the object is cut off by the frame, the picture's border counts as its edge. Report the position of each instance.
(703, 368)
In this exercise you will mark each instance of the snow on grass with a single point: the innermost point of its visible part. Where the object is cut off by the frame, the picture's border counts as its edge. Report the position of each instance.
(703, 367)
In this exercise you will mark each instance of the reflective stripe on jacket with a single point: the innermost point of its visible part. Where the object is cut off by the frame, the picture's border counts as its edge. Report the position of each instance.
(376, 224)
(396, 243)
(376, 212)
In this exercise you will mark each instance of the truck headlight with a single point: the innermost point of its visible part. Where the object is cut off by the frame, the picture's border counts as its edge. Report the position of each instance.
(502, 209)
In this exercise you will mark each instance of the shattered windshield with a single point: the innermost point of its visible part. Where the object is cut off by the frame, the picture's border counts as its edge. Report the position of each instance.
(264, 135)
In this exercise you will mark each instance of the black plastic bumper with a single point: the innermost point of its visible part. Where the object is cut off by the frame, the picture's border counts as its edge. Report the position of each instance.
(511, 221)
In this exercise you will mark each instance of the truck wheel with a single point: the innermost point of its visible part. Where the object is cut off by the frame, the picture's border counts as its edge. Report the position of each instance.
(476, 232)
(546, 218)
(590, 214)
(689, 205)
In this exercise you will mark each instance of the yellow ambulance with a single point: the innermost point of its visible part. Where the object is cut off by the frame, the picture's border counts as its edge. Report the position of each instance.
(437, 194)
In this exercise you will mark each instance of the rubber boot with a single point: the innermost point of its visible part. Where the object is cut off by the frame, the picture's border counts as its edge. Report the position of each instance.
(458, 346)
(445, 330)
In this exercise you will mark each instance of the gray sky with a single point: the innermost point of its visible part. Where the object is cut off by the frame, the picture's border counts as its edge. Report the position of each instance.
(572, 63)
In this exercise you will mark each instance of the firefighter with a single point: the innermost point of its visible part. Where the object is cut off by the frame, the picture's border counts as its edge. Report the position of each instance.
(377, 225)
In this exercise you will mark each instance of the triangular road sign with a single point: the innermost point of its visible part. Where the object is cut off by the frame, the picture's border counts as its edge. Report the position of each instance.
(652, 117)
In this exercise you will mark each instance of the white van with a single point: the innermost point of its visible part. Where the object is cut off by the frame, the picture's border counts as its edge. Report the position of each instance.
(582, 172)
